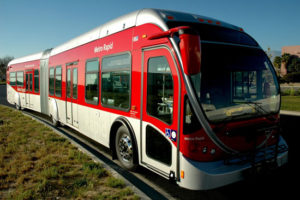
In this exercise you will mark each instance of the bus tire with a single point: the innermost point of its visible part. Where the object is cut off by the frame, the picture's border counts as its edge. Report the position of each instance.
(125, 149)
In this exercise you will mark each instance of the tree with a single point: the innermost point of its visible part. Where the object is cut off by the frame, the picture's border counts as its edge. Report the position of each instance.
(277, 64)
(293, 64)
(3, 64)
(269, 54)
(284, 61)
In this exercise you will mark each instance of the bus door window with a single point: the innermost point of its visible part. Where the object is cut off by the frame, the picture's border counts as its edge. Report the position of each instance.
(36, 81)
(30, 82)
(74, 84)
(160, 89)
(69, 83)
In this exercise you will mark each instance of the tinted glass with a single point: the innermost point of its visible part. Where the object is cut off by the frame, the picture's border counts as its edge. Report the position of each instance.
(92, 82)
(51, 81)
(115, 81)
(117, 62)
(58, 81)
(115, 89)
(75, 83)
(12, 78)
(36, 81)
(92, 66)
(218, 33)
(160, 89)
(236, 83)
(157, 146)
(30, 82)
(69, 83)
(20, 78)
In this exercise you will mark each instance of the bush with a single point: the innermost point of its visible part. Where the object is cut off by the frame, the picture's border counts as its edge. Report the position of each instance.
(291, 77)
(290, 92)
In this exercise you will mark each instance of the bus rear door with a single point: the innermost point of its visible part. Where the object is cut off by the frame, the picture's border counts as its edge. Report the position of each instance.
(29, 88)
(72, 95)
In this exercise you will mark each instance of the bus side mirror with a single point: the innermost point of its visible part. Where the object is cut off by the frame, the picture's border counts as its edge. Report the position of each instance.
(190, 49)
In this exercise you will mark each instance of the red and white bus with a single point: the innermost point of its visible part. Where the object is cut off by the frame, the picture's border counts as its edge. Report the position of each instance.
(191, 98)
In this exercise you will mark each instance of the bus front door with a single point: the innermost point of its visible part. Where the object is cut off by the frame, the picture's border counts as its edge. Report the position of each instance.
(160, 89)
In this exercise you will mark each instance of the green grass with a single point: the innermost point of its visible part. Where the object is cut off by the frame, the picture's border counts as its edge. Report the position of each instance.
(291, 103)
(36, 163)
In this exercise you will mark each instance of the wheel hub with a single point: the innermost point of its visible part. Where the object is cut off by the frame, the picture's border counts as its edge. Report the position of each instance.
(125, 148)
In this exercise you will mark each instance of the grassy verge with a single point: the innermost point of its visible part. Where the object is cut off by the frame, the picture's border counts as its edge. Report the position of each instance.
(36, 163)
(291, 103)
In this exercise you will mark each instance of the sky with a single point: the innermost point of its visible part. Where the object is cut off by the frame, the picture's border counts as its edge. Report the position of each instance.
(31, 26)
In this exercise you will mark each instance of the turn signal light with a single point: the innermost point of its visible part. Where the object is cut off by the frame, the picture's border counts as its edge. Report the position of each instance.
(181, 174)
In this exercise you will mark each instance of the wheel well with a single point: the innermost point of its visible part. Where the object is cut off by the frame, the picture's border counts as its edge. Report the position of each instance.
(112, 136)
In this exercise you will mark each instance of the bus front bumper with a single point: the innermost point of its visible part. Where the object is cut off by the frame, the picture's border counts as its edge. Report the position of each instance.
(210, 175)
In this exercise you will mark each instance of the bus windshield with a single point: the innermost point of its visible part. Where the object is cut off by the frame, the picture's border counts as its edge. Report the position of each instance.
(235, 83)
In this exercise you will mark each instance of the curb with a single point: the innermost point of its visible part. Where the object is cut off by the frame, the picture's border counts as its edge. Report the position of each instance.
(291, 113)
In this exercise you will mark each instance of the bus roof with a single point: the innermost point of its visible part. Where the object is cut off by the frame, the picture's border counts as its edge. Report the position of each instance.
(143, 16)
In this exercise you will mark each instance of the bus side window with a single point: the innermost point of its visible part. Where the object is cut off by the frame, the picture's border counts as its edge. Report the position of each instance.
(92, 81)
(58, 74)
(115, 81)
(20, 78)
(36, 81)
(51, 81)
(12, 78)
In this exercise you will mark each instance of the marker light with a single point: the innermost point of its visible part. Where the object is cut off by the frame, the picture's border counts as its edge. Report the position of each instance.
(181, 174)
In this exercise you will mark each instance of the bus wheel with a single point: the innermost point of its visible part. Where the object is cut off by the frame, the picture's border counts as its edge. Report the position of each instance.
(125, 149)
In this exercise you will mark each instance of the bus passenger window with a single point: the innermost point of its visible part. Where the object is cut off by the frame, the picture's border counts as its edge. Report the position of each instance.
(36, 81)
(12, 78)
(160, 89)
(115, 84)
(92, 81)
(58, 81)
(20, 79)
(51, 81)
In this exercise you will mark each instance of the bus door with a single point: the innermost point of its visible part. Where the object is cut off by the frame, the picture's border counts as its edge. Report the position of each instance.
(72, 96)
(29, 88)
(160, 111)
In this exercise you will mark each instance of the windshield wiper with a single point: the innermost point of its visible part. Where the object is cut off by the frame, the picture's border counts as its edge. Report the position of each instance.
(255, 105)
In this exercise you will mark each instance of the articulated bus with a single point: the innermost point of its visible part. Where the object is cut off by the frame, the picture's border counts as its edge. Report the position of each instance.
(191, 98)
